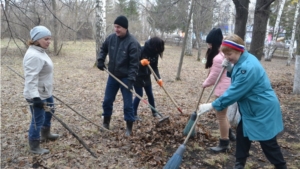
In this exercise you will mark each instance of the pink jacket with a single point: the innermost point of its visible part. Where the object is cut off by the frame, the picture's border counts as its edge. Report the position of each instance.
(214, 72)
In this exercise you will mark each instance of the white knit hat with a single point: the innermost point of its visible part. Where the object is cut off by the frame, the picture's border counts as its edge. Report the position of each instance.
(39, 32)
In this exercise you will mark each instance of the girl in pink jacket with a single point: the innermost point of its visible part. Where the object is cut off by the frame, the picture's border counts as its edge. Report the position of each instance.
(214, 61)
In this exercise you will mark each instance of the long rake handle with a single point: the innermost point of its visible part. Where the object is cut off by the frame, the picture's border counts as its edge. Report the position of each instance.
(64, 103)
(199, 99)
(73, 133)
(154, 74)
(191, 130)
(133, 92)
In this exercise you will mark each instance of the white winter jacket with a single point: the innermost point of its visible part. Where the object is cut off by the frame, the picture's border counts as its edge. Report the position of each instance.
(38, 71)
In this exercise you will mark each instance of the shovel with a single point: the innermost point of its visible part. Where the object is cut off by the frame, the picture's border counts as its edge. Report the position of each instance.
(163, 118)
(178, 108)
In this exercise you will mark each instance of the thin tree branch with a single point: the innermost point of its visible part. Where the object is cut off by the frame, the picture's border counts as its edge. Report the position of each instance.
(8, 25)
(56, 17)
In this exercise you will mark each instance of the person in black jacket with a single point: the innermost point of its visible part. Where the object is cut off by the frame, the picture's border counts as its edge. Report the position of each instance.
(151, 51)
(123, 51)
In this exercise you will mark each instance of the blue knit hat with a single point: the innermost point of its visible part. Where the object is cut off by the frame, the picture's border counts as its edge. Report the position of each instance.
(39, 32)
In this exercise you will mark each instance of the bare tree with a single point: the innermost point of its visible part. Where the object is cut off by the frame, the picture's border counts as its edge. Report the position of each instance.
(100, 25)
(55, 28)
(261, 15)
(202, 19)
(269, 51)
(189, 34)
(294, 30)
(241, 17)
(296, 86)
(184, 41)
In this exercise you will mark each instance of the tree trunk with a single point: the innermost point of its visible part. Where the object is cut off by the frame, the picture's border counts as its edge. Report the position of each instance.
(270, 51)
(296, 86)
(55, 28)
(184, 41)
(294, 30)
(266, 47)
(75, 21)
(261, 15)
(189, 45)
(199, 45)
(241, 17)
(100, 24)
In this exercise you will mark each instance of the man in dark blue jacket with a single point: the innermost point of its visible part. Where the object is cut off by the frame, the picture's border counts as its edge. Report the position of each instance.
(123, 51)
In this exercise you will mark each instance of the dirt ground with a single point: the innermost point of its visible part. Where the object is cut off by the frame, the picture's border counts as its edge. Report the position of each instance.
(81, 86)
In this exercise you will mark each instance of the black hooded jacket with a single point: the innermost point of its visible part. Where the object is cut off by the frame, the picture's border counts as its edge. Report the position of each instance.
(143, 78)
(123, 55)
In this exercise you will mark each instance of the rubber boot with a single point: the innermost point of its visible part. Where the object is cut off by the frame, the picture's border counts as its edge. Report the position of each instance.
(240, 163)
(137, 118)
(129, 125)
(46, 135)
(106, 122)
(154, 114)
(35, 147)
(281, 167)
(231, 136)
(222, 147)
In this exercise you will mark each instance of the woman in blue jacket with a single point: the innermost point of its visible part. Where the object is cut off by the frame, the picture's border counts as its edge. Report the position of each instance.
(261, 118)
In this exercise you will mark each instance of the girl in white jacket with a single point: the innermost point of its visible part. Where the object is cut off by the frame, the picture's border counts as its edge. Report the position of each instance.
(38, 71)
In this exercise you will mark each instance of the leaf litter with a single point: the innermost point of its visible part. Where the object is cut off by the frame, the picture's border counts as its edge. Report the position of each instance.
(152, 144)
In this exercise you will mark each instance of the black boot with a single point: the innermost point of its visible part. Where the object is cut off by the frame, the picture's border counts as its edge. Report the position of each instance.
(106, 122)
(281, 167)
(232, 136)
(222, 147)
(46, 135)
(129, 128)
(240, 163)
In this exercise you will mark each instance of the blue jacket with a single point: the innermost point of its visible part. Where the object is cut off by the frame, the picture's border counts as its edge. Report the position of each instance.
(258, 104)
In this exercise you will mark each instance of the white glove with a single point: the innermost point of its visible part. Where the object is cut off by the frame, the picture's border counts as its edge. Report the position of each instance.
(227, 65)
(203, 108)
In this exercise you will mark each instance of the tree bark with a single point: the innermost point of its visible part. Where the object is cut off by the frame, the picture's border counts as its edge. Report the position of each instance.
(55, 28)
(291, 47)
(296, 86)
(261, 15)
(199, 45)
(241, 7)
(270, 50)
(100, 25)
(189, 45)
(184, 42)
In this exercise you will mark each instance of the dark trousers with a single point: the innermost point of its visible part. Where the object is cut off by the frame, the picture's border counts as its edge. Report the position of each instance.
(139, 91)
(270, 148)
(112, 88)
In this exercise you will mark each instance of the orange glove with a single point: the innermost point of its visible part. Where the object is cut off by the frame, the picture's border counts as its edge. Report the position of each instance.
(145, 62)
(160, 82)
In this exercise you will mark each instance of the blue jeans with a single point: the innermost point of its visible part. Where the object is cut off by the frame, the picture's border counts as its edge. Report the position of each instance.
(39, 119)
(139, 91)
(112, 88)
